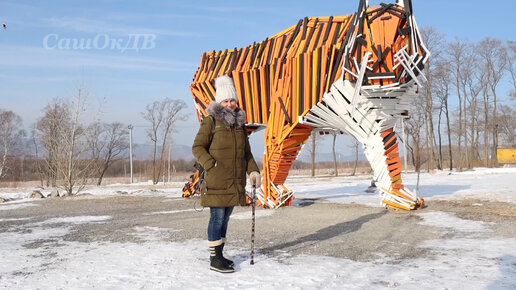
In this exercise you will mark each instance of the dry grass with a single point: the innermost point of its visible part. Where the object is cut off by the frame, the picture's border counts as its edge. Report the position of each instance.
(183, 177)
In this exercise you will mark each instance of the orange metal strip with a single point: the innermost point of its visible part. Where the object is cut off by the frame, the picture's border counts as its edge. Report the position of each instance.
(316, 31)
(392, 151)
(211, 73)
(238, 87)
(248, 94)
(396, 179)
(386, 132)
(314, 76)
(393, 166)
(220, 63)
(263, 96)
(392, 155)
(265, 54)
(328, 41)
(242, 58)
(389, 141)
(396, 205)
(307, 83)
(393, 160)
(395, 171)
(328, 77)
(295, 72)
(324, 66)
(255, 96)
(400, 194)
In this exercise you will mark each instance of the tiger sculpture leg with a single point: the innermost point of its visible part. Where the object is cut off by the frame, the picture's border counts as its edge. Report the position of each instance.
(280, 153)
(366, 121)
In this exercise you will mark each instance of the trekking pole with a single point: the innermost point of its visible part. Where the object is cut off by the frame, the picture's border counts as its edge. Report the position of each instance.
(253, 206)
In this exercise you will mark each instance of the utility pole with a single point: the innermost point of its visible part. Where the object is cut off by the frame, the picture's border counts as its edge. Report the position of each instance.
(130, 127)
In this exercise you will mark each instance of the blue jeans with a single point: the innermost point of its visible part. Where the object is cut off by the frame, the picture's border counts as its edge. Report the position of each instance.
(218, 225)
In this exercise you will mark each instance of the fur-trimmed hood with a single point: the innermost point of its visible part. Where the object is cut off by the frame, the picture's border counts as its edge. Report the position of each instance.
(234, 119)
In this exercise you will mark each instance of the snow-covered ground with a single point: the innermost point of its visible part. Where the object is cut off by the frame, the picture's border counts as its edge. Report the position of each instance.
(493, 184)
(474, 259)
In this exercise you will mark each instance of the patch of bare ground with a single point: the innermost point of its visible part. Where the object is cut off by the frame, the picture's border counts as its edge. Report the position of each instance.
(500, 215)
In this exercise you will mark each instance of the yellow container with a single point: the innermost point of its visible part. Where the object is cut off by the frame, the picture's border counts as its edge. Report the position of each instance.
(506, 155)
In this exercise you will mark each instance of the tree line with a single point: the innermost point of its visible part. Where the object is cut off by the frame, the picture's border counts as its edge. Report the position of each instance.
(62, 150)
(462, 114)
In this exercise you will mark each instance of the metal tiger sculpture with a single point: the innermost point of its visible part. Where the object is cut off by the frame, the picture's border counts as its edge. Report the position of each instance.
(356, 74)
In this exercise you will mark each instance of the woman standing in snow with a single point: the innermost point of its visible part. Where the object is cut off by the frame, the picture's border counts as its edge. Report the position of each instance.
(226, 157)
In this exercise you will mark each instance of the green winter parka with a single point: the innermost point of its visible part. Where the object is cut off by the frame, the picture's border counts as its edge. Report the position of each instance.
(226, 158)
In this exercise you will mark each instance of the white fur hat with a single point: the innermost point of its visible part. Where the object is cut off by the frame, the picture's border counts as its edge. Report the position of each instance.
(225, 89)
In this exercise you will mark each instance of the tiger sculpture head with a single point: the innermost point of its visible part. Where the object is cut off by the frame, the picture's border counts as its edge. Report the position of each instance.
(355, 74)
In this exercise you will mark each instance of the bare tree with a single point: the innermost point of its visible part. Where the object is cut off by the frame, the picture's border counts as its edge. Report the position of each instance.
(493, 58)
(34, 140)
(507, 121)
(355, 145)
(415, 132)
(334, 134)
(441, 87)
(511, 62)
(311, 145)
(166, 163)
(487, 105)
(471, 86)
(434, 41)
(48, 131)
(162, 115)
(11, 133)
(457, 52)
(73, 168)
(106, 143)
(473, 76)
(63, 137)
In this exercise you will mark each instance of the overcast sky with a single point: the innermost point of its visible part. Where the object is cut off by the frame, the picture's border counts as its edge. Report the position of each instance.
(142, 51)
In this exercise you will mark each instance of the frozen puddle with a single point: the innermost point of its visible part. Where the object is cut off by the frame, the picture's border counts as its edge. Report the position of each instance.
(450, 221)
(170, 211)
(77, 220)
(16, 206)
